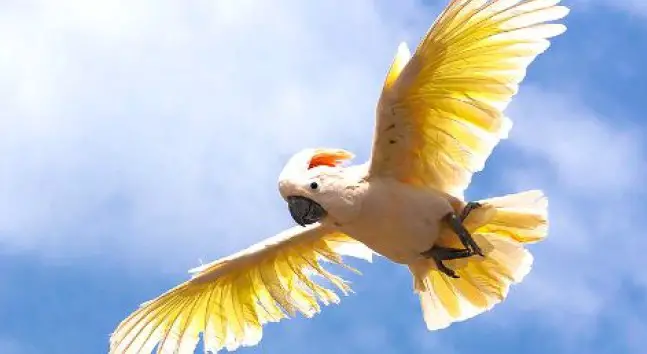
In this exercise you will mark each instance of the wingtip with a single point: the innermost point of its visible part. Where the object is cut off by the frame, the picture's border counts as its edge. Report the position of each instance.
(403, 49)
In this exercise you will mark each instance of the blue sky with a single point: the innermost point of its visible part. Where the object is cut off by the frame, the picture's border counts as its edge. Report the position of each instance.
(135, 136)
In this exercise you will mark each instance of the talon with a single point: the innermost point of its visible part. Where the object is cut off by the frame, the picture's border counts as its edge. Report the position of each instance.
(476, 249)
(466, 239)
(443, 268)
(469, 207)
(446, 253)
(440, 254)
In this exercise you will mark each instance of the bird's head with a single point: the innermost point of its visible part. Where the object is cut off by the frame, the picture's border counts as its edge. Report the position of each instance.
(312, 182)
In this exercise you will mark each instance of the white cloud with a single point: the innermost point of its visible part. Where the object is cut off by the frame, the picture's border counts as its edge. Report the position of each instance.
(155, 131)
(585, 150)
(592, 168)
(151, 127)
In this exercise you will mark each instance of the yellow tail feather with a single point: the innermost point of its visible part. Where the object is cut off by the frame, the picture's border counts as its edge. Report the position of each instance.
(500, 227)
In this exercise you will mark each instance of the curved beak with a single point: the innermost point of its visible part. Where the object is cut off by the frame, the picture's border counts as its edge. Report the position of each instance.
(305, 211)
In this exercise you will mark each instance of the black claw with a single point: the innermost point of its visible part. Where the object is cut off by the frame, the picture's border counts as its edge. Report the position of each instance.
(446, 253)
(440, 254)
(466, 239)
(443, 268)
(476, 248)
(468, 209)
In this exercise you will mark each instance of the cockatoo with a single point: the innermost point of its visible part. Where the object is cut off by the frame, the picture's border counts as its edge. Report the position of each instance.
(439, 116)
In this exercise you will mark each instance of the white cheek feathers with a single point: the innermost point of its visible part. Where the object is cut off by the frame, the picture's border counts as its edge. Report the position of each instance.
(295, 178)
(293, 172)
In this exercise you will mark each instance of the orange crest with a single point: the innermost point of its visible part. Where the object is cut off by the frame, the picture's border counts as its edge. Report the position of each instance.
(329, 157)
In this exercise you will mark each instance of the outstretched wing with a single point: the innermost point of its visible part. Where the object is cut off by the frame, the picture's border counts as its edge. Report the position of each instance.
(229, 300)
(440, 112)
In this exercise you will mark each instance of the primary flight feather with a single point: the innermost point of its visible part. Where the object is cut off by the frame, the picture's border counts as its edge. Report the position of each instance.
(439, 116)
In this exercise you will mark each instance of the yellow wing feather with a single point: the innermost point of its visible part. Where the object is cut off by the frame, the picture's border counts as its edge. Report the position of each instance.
(229, 300)
(441, 111)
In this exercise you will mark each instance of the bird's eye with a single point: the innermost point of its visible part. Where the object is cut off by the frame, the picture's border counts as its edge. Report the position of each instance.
(314, 185)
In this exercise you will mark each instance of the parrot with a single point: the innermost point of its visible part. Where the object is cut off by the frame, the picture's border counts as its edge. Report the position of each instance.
(438, 118)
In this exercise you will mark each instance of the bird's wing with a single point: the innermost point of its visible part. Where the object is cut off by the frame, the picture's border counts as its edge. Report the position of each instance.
(440, 112)
(229, 300)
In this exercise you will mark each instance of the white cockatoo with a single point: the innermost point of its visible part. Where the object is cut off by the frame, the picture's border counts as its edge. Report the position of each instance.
(439, 116)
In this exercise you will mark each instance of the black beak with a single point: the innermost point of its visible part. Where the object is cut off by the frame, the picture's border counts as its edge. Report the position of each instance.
(305, 211)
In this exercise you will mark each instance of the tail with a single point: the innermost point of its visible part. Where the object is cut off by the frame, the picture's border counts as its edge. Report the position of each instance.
(501, 228)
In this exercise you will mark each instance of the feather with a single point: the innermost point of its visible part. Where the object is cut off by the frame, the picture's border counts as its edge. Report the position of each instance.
(230, 300)
(441, 111)
(500, 227)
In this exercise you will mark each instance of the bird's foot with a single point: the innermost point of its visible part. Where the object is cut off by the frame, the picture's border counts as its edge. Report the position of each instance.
(440, 254)
(456, 223)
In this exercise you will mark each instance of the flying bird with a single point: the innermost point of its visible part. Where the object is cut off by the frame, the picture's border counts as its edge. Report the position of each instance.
(438, 118)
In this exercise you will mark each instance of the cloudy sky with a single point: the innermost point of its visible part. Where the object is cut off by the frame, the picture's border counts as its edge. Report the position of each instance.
(137, 136)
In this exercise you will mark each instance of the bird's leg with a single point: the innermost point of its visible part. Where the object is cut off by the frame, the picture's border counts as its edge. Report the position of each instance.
(440, 254)
(456, 223)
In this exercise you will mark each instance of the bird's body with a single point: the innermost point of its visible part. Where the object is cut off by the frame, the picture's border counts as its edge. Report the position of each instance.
(396, 220)
(439, 116)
